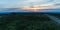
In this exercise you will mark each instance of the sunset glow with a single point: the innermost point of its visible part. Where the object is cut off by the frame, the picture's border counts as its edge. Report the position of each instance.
(38, 7)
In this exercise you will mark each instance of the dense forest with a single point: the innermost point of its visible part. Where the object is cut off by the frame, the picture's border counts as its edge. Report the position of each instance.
(26, 22)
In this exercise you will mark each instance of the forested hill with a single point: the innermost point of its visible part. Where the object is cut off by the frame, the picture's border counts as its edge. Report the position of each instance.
(26, 22)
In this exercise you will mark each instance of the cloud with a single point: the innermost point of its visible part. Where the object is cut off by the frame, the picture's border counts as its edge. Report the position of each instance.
(20, 3)
(30, 2)
(10, 3)
(49, 4)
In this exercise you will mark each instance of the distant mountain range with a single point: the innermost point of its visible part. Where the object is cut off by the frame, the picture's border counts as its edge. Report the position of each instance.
(20, 10)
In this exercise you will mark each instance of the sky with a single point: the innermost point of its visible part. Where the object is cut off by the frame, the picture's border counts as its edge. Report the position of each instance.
(20, 3)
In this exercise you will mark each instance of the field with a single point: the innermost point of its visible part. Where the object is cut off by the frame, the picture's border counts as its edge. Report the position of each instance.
(26, 22)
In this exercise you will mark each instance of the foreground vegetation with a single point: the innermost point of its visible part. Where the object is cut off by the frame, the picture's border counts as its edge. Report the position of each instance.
(26, 22)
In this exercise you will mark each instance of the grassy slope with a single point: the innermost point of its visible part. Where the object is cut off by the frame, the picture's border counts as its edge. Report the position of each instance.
(56, 15)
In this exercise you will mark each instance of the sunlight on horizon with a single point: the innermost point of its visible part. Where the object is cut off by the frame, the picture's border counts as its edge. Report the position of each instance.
(38, 7)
